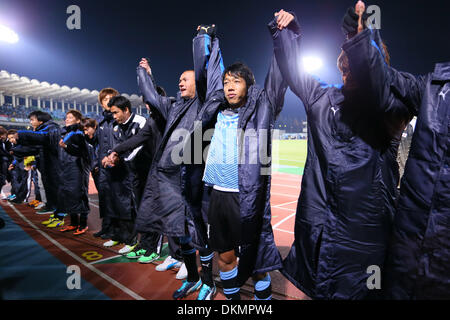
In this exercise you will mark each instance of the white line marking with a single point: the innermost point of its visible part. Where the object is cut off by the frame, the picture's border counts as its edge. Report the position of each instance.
(87, 265)
(286, 185)
(287, 218)
(106, 259)
(94, 205)
(286, 209)
(281, 230)
(284, 204)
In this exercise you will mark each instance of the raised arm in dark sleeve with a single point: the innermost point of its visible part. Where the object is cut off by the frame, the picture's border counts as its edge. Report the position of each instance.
(287, 50)
(380, 82)
(208, 66)
(152, 98)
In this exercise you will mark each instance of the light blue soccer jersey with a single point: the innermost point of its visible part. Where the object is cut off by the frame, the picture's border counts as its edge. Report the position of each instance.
(222, 163)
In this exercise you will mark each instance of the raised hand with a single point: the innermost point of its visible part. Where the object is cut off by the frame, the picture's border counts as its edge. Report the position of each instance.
(144, 64)
(283, 19)
(207, 29)
(360, 8)
(354, 20)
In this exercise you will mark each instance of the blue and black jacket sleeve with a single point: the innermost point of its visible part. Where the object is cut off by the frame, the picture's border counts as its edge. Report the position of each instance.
(208, 66)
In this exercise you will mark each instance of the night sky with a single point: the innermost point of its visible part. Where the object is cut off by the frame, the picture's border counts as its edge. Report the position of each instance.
(114, 36)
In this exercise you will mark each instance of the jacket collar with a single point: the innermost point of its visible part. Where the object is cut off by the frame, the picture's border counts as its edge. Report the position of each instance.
(73, 127)
(253, 95)
(442, 72)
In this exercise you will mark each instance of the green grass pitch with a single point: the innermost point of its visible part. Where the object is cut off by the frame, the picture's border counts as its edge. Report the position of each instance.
(289, 156)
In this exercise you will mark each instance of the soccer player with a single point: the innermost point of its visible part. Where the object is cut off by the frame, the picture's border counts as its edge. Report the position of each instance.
(345, 209)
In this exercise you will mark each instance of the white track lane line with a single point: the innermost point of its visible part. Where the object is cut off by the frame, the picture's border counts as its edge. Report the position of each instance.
(283, 220)
(81, 261)
(284, 204)
(286, 185)
(281, 230)
(94, 205)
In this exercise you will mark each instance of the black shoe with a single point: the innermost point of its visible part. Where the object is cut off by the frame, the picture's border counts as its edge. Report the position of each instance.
(106, 236)
(99, 233)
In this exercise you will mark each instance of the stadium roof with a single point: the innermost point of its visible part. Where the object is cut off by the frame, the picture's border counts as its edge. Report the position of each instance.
(13, 84)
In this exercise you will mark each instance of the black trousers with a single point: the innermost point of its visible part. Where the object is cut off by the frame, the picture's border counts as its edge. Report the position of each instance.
(123, 231)
(19, 185)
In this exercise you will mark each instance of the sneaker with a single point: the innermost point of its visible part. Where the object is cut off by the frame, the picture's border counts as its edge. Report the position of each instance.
(50, 220)
(11, 197)
(148, 258)
(206, 292)
(68, 228)
(110, 243)
(168, 264)
(56, 223)
(99, 233)
(31, 203)
(126, 249)
(39, 206)
(136, 253)
(44, 210)
(80, 231)
(182, 273)
(186, 288)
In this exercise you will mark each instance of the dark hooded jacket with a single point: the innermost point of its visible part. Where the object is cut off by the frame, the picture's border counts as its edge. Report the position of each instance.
(164, 207)
(47, 137)
(75, 168)
(105, 144)
(124, 179)
(348, 192)
(258, 252)
(418, 265)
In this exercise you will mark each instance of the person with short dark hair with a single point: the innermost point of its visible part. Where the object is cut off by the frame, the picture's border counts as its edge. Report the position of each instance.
(45, 137)
(124, 178)
(171, 205)
(89, 127)
(5, 159)
(105, 144)
(17, 170)
(75, 164)
(149, 137)
(237, 181)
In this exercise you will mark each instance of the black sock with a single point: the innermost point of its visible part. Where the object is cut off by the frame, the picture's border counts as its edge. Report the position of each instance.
(206, 261)
(73, 219)
(190, 259)
(83, 221)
